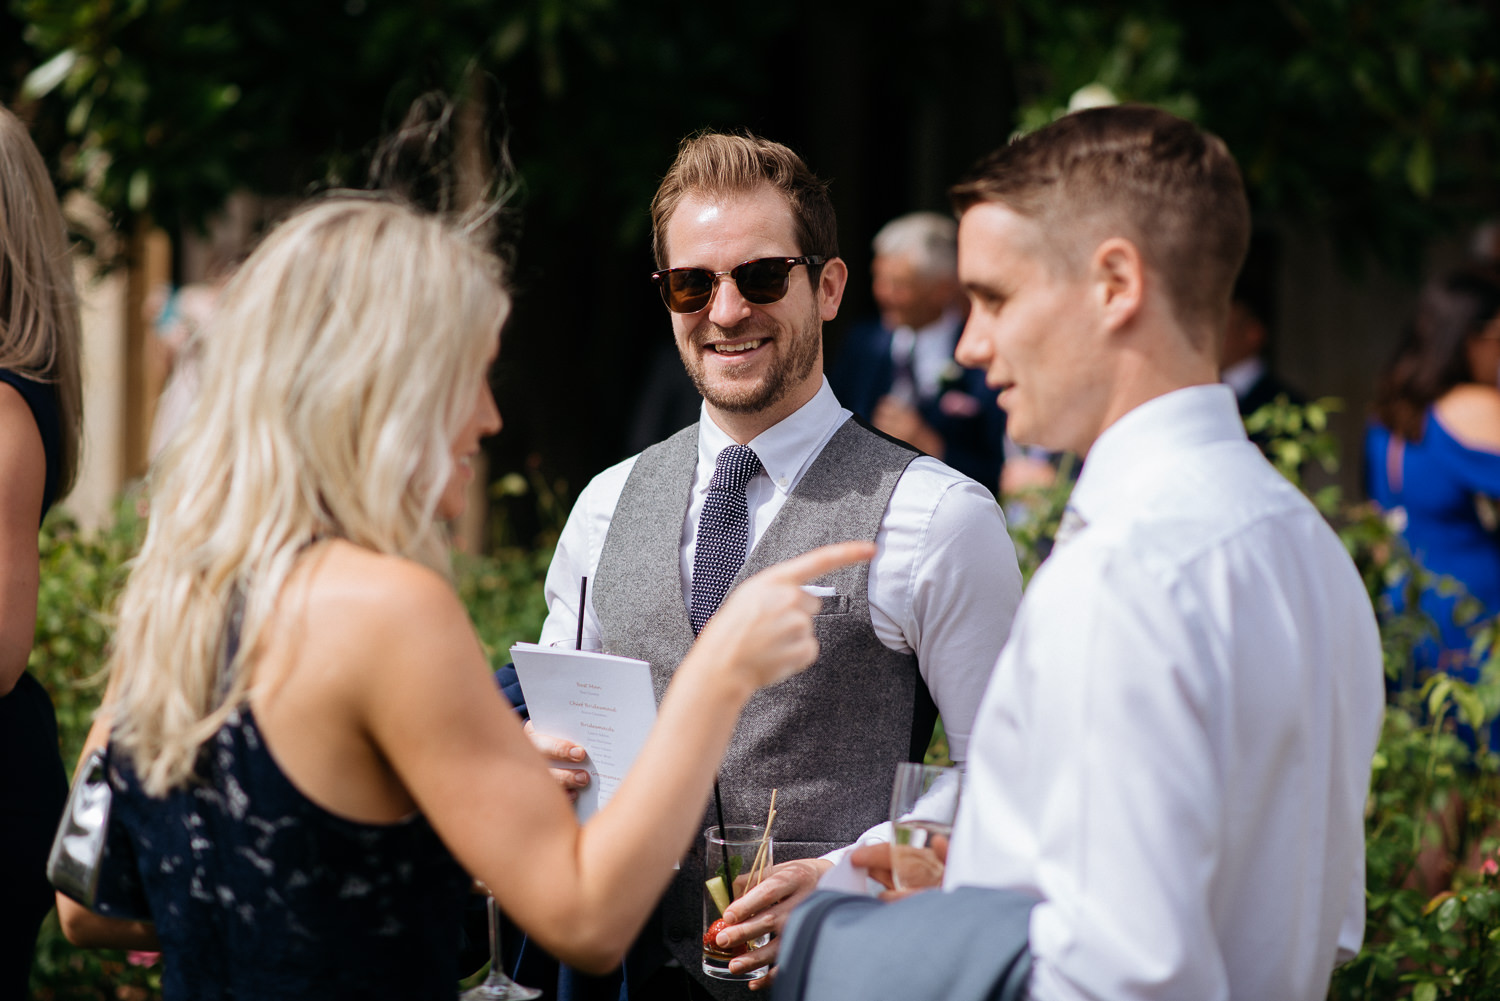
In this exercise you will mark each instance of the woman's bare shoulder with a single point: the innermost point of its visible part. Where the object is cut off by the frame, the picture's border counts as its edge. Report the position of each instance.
(23, 459)
(1471, 413)
(371, 601)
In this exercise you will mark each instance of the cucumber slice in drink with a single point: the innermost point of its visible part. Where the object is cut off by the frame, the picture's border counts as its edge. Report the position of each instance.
(719, 892)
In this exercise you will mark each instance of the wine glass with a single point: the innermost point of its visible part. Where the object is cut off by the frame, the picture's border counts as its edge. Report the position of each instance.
(497, 986)
(924, 803)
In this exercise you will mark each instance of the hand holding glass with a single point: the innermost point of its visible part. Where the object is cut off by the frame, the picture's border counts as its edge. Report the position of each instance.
(747, 852)
(924, 803)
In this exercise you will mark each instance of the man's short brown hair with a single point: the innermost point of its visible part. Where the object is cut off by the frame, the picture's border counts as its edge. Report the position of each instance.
(718, 163)
(1137, 172)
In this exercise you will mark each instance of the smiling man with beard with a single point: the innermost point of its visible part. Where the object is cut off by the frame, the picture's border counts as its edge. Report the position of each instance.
(746, 239)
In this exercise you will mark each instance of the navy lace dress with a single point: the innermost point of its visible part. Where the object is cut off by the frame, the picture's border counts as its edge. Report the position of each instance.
(257, 892)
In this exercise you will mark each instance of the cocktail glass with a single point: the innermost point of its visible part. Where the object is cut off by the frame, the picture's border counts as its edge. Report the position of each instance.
(737, 846)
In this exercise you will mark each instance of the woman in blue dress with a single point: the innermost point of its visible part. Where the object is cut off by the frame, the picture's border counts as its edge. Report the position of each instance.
(1432, 458)
(308, 749)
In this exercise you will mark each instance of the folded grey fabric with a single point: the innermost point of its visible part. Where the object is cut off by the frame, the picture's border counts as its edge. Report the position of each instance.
(969, 944)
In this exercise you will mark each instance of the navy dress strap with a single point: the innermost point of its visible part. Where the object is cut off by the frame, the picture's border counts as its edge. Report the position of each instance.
(41, 397)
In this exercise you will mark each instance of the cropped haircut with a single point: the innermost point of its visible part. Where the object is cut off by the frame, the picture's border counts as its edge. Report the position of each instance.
(40, 332)
(929, 240)
(343, 357)
(1171, 189)
(721, 164)
(1432, 356)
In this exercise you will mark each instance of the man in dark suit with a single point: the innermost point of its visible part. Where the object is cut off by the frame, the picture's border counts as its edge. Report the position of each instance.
(1242, 363)
(898, 372)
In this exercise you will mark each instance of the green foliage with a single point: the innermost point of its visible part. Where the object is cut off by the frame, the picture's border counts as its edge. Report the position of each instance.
(1297, 435)
(1033, 515)
(1432, 802)
(171, 106)
(81, 576)
(937, 748)
(1376, 122)
(503, 594)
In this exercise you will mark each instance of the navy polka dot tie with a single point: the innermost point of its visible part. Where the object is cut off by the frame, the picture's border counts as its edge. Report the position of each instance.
(723, 532)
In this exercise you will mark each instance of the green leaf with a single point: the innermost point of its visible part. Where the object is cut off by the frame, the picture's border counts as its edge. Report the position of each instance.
(140, 191)
(1470, 707)
(1441, 689)
(735, 865)
(1420, 168)
(1448, 914)
(1425, 992)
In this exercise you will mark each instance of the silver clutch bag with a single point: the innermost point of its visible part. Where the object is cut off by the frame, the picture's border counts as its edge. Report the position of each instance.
(78, 849)
(82, 864)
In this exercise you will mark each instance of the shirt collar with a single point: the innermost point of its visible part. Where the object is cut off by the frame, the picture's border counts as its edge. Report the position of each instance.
(785, 449)
(1184, 418)
(945, 325)
(1242, 374)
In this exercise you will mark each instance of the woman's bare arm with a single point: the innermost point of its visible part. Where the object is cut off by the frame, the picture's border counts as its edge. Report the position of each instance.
(583, 893)
(23, 476)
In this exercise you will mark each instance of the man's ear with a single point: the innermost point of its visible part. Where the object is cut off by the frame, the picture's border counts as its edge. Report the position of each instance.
(830, 291)
(1119, 278)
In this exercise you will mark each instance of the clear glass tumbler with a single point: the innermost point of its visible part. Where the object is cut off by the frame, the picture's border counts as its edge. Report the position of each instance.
(737, 847)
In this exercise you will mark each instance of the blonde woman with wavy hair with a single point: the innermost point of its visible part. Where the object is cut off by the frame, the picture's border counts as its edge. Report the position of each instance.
(40, 416)
(309, 746)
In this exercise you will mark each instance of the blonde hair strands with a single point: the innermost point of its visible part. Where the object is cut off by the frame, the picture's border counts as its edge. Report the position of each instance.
(344, 357)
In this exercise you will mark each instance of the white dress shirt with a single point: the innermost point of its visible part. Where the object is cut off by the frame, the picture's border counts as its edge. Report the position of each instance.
(944, 583)
(930, 352)
(1242, 375)
(1174, 752)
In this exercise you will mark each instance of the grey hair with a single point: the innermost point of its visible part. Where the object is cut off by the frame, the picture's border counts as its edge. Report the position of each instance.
(929, 240)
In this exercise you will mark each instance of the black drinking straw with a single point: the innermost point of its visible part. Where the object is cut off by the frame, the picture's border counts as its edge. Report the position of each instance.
(723, 838)
(583, 590)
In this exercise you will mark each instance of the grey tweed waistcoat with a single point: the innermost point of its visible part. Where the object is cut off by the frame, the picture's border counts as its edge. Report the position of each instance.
(828, 739)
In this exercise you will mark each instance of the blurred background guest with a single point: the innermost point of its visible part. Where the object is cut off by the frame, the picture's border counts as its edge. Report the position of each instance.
(178, 317)
(898, 372)
(1485, 245)
(40, 415)
(1243, 361)
(1432, 456)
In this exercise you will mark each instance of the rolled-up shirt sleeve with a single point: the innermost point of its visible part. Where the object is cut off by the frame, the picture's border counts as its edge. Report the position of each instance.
(577, 556)
(945, 586)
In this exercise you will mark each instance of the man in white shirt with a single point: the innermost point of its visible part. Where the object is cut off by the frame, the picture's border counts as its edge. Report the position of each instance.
(1173, 755)
(746, 239)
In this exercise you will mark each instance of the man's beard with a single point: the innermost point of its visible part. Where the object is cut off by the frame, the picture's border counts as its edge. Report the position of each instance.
(797, 351)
